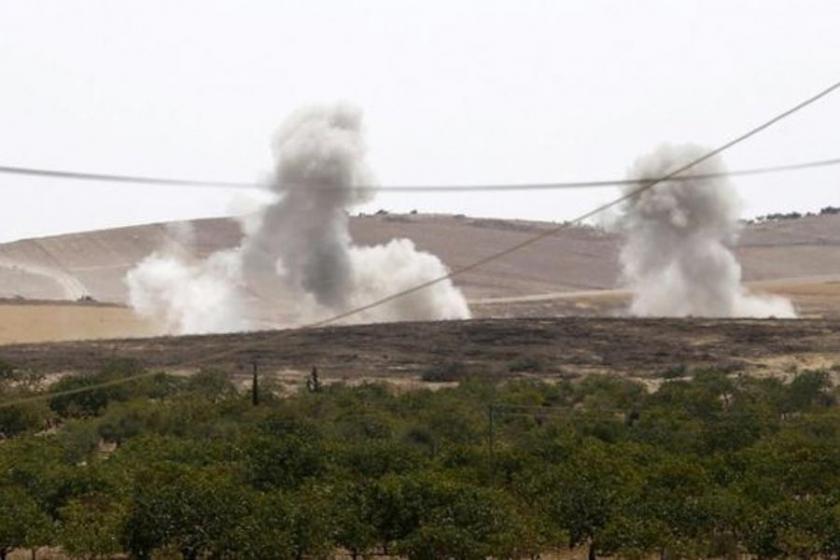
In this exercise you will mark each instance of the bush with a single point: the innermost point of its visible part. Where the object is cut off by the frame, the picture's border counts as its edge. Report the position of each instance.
(526, 364)
(15, 420)
(674, 372)
(79, 401)
(445, 372)
(7, 371)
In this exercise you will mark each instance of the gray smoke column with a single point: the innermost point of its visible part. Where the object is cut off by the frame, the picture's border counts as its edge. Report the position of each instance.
(677, 256)
(320, 174)
(298, 263)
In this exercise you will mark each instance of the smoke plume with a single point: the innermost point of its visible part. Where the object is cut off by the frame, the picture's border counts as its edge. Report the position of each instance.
(677, 257)
(297, 263)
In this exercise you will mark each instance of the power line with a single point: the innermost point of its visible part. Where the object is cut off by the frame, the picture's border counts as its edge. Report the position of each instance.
(560, 185)
(597, 210)
(492, 257)
(77, 390)
(609, 182)
(115, 178)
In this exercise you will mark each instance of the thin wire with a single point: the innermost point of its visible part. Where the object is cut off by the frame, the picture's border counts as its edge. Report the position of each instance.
(597, 210)
(198, 183)
(608, 183)
(77, 390)
(114, 178)
(494, 256)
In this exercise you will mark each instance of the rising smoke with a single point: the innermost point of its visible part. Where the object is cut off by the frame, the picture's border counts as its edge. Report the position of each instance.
(298, 263)
(677, 257)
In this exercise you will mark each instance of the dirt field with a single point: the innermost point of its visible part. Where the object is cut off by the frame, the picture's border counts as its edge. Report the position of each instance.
(814, 297)
(579, 258)
(553, 348)
(42, 321)
(574, 273)
(49, 321)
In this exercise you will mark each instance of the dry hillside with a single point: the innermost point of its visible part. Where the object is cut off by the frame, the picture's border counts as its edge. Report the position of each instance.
(68, 266)
(572, 273)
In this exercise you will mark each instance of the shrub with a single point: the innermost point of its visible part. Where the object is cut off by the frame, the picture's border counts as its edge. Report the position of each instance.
(674, 372)
(527, 364)
(444, 372)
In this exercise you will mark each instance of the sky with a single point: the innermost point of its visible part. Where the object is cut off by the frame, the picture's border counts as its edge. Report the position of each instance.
(453, 92)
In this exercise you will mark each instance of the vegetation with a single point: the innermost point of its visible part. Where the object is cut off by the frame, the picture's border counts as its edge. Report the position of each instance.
(780, 216)
(708, 465)
(444, 372)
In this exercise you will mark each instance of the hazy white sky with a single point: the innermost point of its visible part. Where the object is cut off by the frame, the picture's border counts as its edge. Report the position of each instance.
(454, 92)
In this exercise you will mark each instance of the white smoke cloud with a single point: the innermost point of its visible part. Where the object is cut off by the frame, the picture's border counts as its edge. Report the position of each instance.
(297, 262)
(183, 297)
(407, 268)
(677, 256)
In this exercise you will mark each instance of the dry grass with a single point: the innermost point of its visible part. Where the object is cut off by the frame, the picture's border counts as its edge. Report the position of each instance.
(564, 347)
(22, 322)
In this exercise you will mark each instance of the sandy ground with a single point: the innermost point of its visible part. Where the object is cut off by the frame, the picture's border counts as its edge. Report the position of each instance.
(578, 258)
(813, 297)
(55, 321)
(572, 273)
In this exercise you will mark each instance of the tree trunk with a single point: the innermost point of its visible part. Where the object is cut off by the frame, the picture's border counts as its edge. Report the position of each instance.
(592, 555)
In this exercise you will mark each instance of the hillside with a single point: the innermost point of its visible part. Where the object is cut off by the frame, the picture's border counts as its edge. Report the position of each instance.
(94, 263)
(573, 273)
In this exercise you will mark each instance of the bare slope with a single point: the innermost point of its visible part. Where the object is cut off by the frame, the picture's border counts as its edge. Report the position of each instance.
(94, 263)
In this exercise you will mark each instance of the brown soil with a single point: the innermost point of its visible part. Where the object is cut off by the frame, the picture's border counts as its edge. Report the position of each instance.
(42, 321)
(578, 258)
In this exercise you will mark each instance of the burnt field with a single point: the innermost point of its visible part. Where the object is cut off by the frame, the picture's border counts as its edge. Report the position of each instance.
(449, 351)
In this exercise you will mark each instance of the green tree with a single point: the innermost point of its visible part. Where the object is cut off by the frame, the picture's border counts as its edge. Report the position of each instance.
(186, 509)
(589, 492)
(265, 532)
(285, 453)
(670, 513)
(429, 516)
(38, 465)
(27, 417)
(23, 524)
(92, 526)
(352, 512)
(311, 525)
(806, 390)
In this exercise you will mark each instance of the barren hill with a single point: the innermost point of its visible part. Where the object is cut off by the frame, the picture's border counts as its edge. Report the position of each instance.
(94, 263)
(573, 272)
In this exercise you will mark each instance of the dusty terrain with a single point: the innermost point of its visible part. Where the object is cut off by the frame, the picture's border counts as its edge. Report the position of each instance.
(582, 258)
(549, 348)
(574, 273)
(38, 321)
(814, 297)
